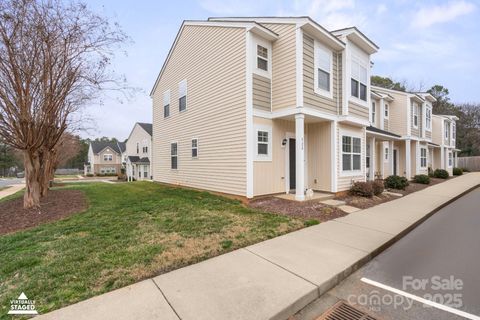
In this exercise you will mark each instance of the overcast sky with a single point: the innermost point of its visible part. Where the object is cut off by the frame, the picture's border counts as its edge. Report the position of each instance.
(424, 42)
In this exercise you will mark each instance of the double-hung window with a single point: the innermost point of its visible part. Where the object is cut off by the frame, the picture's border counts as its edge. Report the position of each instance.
(373, 113)
(428, 118)
(423, 157)
(367, 156)
(351, 153)
(262, 143)
(166, 104)
(454, 131)
(450, 159)
(359, 81)
(323, 69)
(174, 155)
(138, 148)
(447, 129)
(386, 154)
(107, 157)
(262, 58)
(182, 95)
(415, 115)
(194, 148)
(387, 110)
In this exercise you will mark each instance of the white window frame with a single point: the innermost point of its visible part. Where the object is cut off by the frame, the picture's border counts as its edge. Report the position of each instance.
(266, 44)
(192, 147)
(268, 156)
(423, 158)
(447, 129)
(386, 112)
(386, 152)
(454, 131)
(373, 114)
(166, 102)
(173, 155)
(317, 48)
(428, 118)
(361, 58)
(450, 159)
(346, 173)
(415, 114)
(110, 156)
(180, 84)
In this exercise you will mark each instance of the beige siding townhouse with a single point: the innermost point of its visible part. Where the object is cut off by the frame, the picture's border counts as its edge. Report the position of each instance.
(139, 152)
(105, 158)
(407, 117)
(444, 153)
(257, 106)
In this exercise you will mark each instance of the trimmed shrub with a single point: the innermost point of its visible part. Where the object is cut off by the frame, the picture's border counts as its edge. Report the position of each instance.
(378, 187)
(465, 170)
(457, 171)
(421, 178)
(440, 173)
(89, 174)
(396, 182)
(362, 189)
(430, 172)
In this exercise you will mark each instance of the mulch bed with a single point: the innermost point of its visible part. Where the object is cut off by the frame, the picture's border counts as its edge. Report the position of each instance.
(414, 187)
(304, 210)
(58, 204)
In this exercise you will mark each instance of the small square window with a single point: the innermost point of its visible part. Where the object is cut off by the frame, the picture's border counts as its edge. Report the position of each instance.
(262, 143)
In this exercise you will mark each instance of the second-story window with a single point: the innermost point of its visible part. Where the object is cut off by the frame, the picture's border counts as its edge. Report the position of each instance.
(373, 112)
(323, 68)
(428, 118)
(386, 110)
(447, 130)
(166, 104)
(262, 58)
(138, 148)
(359, 81)
(454, 131)
(107, 157)
(182, 95)
(415, 115)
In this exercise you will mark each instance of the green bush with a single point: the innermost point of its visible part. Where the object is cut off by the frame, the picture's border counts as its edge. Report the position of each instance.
(457, 171)
(421, 178)
(396, 182)
(465, 170)
(378, 187)
(311, 222)
(89, 174)
(430, 172)
(363, 189)
(440, 173)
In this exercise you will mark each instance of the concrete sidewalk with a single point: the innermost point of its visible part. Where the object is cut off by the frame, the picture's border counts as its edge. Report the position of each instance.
(11, 190)
(275, 278)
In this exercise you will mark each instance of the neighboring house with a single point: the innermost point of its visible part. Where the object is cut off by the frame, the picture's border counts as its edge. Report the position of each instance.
(139, 152)
(444, 152)
(400, 138)
(263, 106)
(104, 158)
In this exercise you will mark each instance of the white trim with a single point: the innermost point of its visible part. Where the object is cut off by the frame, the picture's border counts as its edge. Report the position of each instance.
(386, 153)
(449, 153)
(391, 148)
(170, 155)
(333, 156)
(186, 98)
(257, 41)
(416, 110)
(300, 156)
(417, 157)
(386, 110)
(428, 107)
(352, 134)
(191, 148)
(345, 81)
(249, 115)
(426, 157)
(317, 47)
(263, 128)
(421, 300)
(408, 159)
(409, 117)
(165, 93)
(299, 66)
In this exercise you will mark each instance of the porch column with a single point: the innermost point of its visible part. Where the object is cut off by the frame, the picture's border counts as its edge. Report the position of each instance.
(382, 161)
(408, 160)
(417, 157)
(390, 159)
(373, 155)
(300, 157)
(382, 113)
(442, 158)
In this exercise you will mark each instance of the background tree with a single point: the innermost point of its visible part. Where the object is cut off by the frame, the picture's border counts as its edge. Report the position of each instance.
(80, 158)
(7, 158)
(55, 59)
(387, 83)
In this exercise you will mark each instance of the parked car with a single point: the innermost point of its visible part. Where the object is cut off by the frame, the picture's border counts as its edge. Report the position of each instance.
(21, 174)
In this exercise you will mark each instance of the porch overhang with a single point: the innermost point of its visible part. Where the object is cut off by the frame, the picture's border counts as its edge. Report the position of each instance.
(433, 145)
(382, 135)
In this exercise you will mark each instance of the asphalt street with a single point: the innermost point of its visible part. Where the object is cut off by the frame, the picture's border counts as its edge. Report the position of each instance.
(9, 182)
(438, 261)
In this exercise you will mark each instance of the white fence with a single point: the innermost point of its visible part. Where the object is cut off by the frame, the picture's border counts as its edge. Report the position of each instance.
(471, 163)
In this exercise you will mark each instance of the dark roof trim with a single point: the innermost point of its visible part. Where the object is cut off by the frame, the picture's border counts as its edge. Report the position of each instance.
(146, 126)
(387, 133)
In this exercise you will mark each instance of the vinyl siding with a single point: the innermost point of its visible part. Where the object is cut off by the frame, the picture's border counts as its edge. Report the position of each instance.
(319, 164)
(345, 181)
(416, 132)
(437, 131)
(397, 116)
(358, 111)
(215, 115)
(139, 135)
(269, 176)
(283, 66)
(310, 98)
(262, 92)
(385, 124)
(428, 135)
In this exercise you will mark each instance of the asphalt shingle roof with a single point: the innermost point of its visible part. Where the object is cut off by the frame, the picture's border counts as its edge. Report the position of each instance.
(146, 126)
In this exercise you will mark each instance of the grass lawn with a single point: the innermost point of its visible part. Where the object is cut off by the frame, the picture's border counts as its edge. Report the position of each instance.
(131, 231)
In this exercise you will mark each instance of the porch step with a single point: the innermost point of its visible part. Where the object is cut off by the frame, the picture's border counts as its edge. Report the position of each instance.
(334, 203)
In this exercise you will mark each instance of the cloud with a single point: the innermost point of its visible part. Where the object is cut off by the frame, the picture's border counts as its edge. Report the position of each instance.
(428, 16)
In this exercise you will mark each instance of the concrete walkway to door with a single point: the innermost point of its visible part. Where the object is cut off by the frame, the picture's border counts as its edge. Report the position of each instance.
(275, 278)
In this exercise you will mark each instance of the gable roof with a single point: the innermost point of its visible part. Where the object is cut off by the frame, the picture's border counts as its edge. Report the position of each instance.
(98, 146)
(358, 38)
(146, 126)
(122, 146)
(250, 25)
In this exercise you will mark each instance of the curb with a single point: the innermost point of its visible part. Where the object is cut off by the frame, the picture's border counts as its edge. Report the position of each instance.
(339, 277)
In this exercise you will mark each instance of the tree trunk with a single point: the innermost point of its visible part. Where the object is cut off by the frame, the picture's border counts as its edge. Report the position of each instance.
(47, 166)
(31, 198)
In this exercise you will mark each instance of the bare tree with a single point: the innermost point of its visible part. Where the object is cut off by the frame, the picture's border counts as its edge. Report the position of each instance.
(55, 59)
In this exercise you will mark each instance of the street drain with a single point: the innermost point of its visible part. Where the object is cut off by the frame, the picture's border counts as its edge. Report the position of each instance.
(343, 311)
